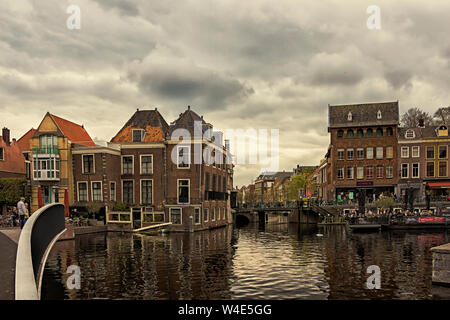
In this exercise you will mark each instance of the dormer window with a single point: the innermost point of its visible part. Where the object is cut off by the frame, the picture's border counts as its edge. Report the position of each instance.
(442, 131)
(349, 116)
(379, 114)
(138, 135)
(410, 134)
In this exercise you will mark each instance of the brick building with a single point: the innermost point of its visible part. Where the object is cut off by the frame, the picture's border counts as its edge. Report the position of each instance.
(363, 149)
(12, 162)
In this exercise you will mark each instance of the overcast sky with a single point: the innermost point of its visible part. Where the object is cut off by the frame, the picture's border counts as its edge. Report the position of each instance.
(241, 64)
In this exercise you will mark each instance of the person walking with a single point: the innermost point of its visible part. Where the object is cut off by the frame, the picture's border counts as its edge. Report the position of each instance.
(22, 211)
(27, 213)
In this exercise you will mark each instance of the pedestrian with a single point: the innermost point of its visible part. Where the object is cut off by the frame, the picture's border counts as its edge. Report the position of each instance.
(27, 213)
(14, 216)
(22, 211)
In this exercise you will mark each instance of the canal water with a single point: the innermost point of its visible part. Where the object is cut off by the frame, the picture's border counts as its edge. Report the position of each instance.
(274, 262)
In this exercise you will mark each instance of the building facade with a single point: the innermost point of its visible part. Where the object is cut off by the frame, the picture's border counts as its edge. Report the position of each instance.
(363, 149)
(12, 161)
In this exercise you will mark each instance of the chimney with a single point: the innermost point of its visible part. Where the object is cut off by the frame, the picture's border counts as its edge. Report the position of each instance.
(5, 136)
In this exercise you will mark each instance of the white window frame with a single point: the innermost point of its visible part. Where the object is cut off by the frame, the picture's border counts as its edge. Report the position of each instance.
(112, 197)
(178, 157)
(392, 152)
(410, 134)
(343, 173)
(140, 192)
(207, 215)
(199, 215)
(353, 153)
(382, 172)
(101, 191)
(407, 171)
(142, 135)
(178, 191)
(359, 170)
(371, 153)
(78, 190)
(418, 170)
(359, 149)
(132, 163)
(122, 181)
(140, 163)
(353, 173)
(390, 170)
(343, 153)
(376, 153)
(404, 148)
(181, 216)
(82, 163)
(418, 151)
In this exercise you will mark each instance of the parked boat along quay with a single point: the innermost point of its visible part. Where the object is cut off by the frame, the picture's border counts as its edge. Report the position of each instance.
(272, 261)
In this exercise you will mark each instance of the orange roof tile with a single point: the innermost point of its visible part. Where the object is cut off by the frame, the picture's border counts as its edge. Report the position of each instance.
(14, 160)
(24, 141)
(74, 132)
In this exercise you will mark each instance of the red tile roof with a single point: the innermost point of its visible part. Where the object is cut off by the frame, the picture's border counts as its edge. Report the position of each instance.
(24, 141)
(13, 162)
(74, 132)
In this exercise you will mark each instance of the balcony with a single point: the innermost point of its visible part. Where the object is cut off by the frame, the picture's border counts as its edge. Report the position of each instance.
(46, 175)
(45, 151)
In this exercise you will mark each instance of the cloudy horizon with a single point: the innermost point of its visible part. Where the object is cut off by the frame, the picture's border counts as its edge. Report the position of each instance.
(255, 64)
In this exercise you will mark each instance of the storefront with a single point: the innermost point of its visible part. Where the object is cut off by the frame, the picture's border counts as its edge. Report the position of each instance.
(372, 193)
(439, 190)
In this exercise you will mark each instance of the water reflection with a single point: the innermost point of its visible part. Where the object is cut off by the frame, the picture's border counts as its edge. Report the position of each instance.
(273, 262)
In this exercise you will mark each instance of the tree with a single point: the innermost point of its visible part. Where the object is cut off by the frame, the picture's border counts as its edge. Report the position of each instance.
(11, 190)
(442, 115)
(410, 118)
(301, 181)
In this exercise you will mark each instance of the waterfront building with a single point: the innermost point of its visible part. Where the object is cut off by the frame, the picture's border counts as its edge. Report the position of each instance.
(12, 162)
(264, 191)
(51, 148)
(363, 149)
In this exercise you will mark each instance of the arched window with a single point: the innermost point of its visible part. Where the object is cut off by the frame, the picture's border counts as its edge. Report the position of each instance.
(369, 132)
(379, 132)
(350, 133)
(379, 114)
(359, 133)
(349, 116)
(389, 131)
(340, 133)
(409, 134)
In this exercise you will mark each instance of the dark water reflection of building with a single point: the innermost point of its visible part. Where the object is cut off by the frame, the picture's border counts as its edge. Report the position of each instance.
(273, 262)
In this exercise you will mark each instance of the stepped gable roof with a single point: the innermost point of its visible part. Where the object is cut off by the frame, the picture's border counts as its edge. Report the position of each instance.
(151, 121)
(365, 114)
(24, 141)
(186, 120)
(74, 132)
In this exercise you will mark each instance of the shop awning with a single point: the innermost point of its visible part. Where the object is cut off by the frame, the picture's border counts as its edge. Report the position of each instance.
(439, 185)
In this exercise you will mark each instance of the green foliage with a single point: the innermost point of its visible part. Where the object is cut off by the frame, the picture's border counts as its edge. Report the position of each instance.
(120, 207)
(11, 189)
(301, 181)
(94, 207)
(385, 202)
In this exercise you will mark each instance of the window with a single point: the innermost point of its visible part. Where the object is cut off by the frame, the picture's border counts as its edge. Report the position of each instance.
(415, 170)
(430, 169)
(405, 152)
(48, 144)
(340, 173)
(183, 157)
(389, 172)
(340, 154)
(350, 133)
(405, 170)
(213, 214)
(138, 135)
(88, 163)
(183, 191)
(430, 152)
(340, 133)
(369, 132)
(205, 214)
(379, 132)
(112, 191)
(349, 116)
(146, 191)
(389, 132)
(442, 152)
(360, 173)
(197, 219)
(82, 191)
(175, 215)
(369, 153)
(379, 152)
(369, 172)
(410, 134)
(350, 154)
(379, 114)
(2, 154)
(97, 191)
(359, 133)
(360, 153)
(415, 151)
(147, 164)
(127, 164)
(380, 172)
(350, 173)
(389, 152)
(442, 168)
(127, 192)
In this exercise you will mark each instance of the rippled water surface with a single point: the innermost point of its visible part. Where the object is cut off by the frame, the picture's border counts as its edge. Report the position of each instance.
(277, 262)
